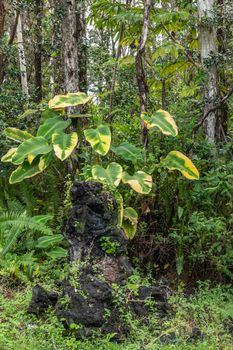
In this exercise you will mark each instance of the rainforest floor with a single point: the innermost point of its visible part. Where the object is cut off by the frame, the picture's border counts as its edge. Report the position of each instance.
(201, 320)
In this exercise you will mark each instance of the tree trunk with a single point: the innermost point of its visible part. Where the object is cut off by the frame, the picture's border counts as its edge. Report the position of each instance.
(22, 59)
(37, 50)
(2, 24)
(140, 70)
(81, 45)
(69, 47)
(2, 17)
(208, 42)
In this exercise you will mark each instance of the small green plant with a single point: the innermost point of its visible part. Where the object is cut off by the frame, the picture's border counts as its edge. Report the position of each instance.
(109, 247)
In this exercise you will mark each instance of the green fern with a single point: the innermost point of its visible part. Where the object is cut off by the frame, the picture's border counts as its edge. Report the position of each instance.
(12, 224)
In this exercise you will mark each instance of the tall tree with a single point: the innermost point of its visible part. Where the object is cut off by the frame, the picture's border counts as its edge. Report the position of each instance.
(81, 45)
(22, 58)
(208, 42)
(38, 49)
(69, 46)
(140, 69)
(2, 24)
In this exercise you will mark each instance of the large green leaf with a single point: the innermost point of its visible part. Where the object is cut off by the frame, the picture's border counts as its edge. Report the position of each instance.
(17, 134)
(162, 120)
(127, 151)
(130, 221)
(64, 144)
(140, 181)
(47, 241)
(31, 148)
(69, 100)
(100, 139)
(8, 156)
(176, 160)
(24, 171)
(111, 175)
(52, 125)
(47, 114)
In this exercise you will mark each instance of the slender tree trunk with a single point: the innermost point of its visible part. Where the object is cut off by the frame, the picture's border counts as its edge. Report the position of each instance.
(3, 56)
(69, 47)
(2, 24)
(81, 45)
(2, 17)
(222, 45)
(208, 41)
(22, 59)
(164, 95)
(140, 69)
(37, 50)
(118, 55)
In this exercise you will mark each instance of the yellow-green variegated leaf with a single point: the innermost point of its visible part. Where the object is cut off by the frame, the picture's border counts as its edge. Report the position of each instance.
(69, 100)
(33, 147)
(51, 126)
(45, 160)
(8, 156)
(64, 144)
(128, 152)
(176, 160)
(111, 175)
(120, 208)
(24, 171)
(17, 134)
(140, 181)
(130, 221)
(99, 138)
(163, 121)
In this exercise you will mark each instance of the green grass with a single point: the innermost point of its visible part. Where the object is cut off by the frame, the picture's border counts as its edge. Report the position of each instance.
(208, 310)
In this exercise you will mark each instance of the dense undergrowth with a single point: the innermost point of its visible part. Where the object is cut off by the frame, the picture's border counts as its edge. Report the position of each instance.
(202, 320)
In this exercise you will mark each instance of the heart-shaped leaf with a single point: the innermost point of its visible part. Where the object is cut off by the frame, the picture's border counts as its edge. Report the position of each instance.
(111, 175)
(64, 144)
(69, 100)
(99, 138)
(128, 152)
(162, 120)
(51, 126)
(176, 160)
(130, 221)
(8, 156)
(33, 147)
(17, 134)
(24, 171)
(140, 181)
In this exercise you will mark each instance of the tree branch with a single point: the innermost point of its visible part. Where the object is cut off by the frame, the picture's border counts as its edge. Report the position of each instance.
(212, 109)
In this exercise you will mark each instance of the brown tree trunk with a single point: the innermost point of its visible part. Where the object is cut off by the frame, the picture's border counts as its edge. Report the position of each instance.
(69, 47)
(81, 45)
(37, 50)
(2, 24)
(140, 69)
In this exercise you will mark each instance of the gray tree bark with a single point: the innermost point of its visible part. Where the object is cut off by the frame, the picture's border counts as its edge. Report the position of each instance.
(208, 42)
(37, 50)
(22, 58)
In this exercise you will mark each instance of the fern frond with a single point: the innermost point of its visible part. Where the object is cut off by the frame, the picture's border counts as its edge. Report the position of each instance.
(13, 224)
